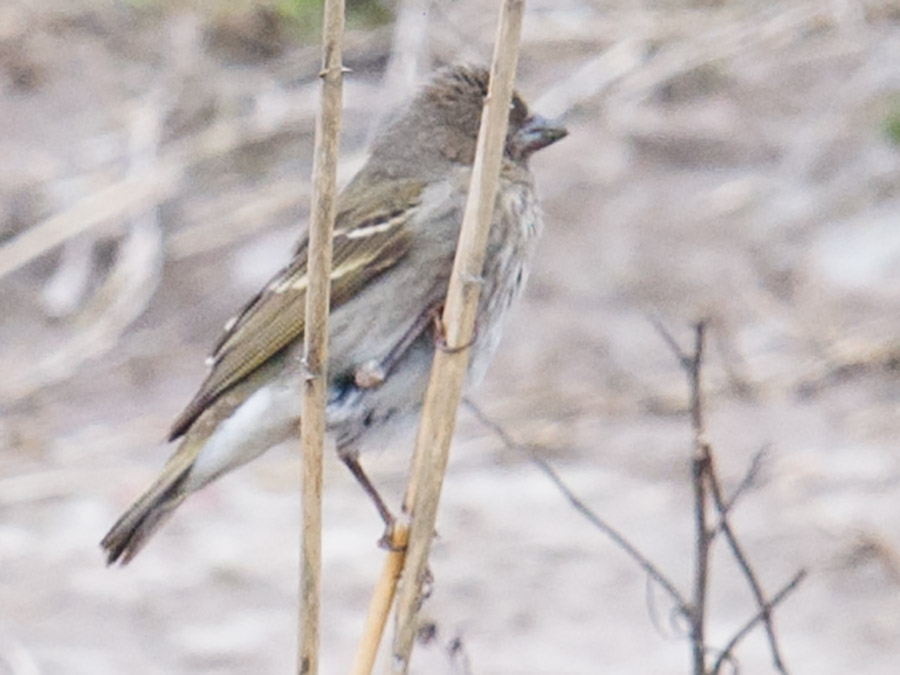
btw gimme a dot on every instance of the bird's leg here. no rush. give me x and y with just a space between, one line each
370 375
373 372
351 461
387 539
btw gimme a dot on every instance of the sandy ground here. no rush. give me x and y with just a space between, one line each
726 160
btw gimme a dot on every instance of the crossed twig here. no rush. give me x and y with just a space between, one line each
708 494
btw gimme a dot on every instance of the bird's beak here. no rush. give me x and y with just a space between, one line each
537 132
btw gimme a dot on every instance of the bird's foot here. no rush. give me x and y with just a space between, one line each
440 334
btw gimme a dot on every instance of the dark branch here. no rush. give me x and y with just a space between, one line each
676 617
764 613
672 343
705 484
747 482
583 508
706 480
765 610
750 477
700 467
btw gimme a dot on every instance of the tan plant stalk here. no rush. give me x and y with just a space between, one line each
382 600
449 367
315 341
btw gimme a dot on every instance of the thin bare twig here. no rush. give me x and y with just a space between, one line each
617 537
700 466
706 484
747 482
459 657
764 611
315 347
677 615
744 564
749 479
700 463
683 359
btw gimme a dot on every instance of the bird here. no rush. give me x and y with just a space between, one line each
395 236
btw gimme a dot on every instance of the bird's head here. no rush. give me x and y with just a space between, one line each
440 125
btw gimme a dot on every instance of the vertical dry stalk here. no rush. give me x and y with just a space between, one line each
315 344
382 599
700 469
449 368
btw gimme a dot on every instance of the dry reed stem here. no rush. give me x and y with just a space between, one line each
448 371
315 343
382 599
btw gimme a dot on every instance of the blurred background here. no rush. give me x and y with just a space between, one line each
738 161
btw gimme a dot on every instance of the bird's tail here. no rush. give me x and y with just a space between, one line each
153 508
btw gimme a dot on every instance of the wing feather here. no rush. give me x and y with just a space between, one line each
363 247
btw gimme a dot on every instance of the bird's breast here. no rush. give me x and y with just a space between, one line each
516 225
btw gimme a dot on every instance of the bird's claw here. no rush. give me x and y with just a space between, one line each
440 336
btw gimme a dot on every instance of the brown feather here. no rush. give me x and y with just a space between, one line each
370 237
151 510
413 187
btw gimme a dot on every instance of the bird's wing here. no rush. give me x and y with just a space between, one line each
370 237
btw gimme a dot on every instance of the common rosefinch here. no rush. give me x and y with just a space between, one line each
394 241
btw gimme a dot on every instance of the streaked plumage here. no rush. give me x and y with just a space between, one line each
395 238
